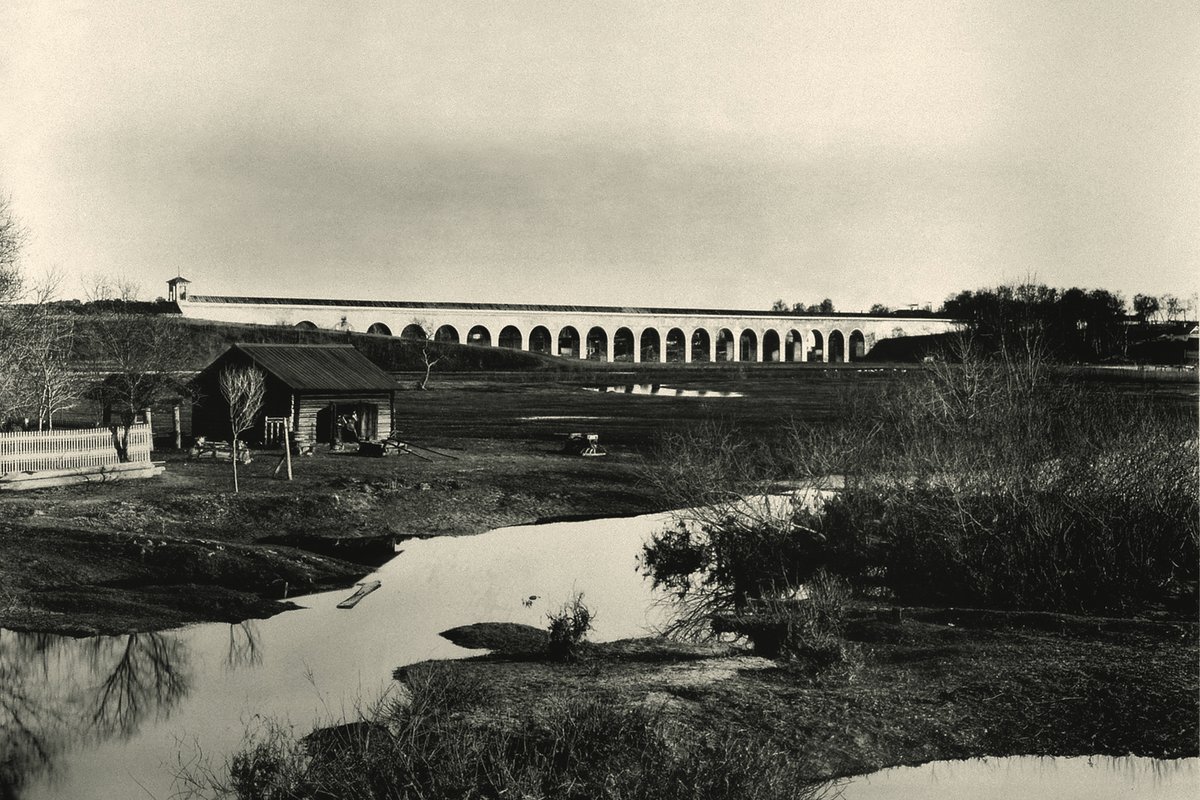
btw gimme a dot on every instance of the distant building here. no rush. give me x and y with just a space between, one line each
318 387
177 288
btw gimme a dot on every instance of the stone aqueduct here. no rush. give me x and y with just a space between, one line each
593 332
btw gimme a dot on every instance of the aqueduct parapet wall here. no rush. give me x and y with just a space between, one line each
601 333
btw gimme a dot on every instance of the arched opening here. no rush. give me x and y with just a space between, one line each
771 346
837 347
794 346
540 340
817 351
858 346
725 350
748 345
413 331
510 338
379 329
568 342
479 335
701 345
676 346
651 345
623 345
597 344
305 325
446 333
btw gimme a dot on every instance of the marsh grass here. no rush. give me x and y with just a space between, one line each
444 740
990 480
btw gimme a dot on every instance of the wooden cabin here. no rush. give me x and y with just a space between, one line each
320 387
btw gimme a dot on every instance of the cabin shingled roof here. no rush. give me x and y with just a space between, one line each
319 367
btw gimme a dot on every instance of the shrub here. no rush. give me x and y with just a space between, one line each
569 626
802 625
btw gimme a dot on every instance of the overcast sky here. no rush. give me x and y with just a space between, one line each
716 154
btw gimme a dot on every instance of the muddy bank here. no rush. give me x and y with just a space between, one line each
81 582
182 548
915 689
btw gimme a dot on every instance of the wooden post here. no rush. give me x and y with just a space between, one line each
176 427
149 417
287 445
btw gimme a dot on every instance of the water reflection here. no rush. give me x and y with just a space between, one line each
660 390
59 693
1084 778
243 650
113 717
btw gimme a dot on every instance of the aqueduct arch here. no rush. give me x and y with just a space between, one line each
676 346
770 346
510 338
817 351
479 335
650 345
701 345
411 331
748 346
858 346
725 345
837 347
540 340
568 342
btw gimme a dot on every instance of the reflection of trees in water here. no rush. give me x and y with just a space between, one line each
143 675
57 692
243 647
26 713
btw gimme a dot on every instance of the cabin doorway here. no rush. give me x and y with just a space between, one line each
347 422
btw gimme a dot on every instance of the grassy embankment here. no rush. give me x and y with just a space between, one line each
661 719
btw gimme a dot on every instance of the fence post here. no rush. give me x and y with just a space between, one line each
176 427
149 417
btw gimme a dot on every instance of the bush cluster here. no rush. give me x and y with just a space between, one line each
992 481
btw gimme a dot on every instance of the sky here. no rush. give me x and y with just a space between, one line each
719 154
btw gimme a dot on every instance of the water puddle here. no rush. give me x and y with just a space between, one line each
660 390
1078 778
110 717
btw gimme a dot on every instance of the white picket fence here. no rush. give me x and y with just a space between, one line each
33 451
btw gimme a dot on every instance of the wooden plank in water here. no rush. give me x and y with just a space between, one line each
364 589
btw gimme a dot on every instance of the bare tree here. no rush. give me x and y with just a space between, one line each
13 236
143 356
1172 306
429 356
35 342
99 287
47 364
243 389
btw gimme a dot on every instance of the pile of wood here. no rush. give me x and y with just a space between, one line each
219 451
48 478
583 444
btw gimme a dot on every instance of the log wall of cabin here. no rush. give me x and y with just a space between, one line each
308 406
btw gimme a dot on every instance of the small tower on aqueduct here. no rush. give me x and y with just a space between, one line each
177 288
